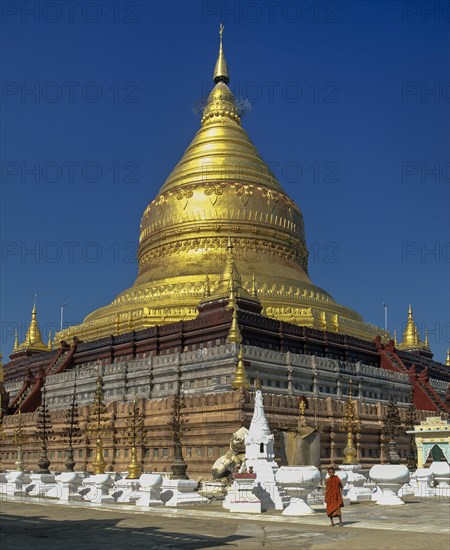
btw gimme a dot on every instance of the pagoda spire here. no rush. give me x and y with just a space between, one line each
447 362
234 336
16 340
33 339
221 68
411 338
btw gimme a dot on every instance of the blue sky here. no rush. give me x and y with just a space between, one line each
350 105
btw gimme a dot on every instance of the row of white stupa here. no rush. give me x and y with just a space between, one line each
260 485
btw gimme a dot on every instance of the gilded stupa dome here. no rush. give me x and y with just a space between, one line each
221 189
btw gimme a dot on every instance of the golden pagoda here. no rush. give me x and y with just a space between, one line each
411 338
33 339
220 188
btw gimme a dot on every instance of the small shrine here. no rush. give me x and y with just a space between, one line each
432 437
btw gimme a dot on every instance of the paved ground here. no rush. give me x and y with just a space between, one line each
44 525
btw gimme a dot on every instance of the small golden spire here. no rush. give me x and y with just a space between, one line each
1 379
16 340
221 68
254 289
395 336
240 377
49 343
447 362
426 343
257 382
234 336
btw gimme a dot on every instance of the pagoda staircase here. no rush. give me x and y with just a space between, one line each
32 400
425 397
24 392
63 359
30 397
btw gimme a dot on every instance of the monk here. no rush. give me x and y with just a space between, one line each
333 497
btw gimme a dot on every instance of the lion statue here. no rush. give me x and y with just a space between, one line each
230 462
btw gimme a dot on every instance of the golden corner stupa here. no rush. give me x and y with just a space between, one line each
221 189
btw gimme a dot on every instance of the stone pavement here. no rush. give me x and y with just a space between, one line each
82 526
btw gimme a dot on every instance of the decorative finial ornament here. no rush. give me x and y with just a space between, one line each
240 376
235 336
16 340
447 362
395 336
49 343
221 68
302 407
351 425
98 424
392 426
257 383
426 344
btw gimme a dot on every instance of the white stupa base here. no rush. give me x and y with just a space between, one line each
16 483
441 475
358 494
98 489
266 487
298 507
421 481
126 491
176 492
389 498
389 478
355 489
240 496
150 491
298 482
69 484
41 485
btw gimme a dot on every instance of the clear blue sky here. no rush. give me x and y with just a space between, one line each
342 91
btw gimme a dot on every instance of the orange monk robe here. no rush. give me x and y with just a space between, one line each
333 497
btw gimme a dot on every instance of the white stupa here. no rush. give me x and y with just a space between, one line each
259 455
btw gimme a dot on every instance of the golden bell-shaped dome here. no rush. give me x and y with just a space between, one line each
221 188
